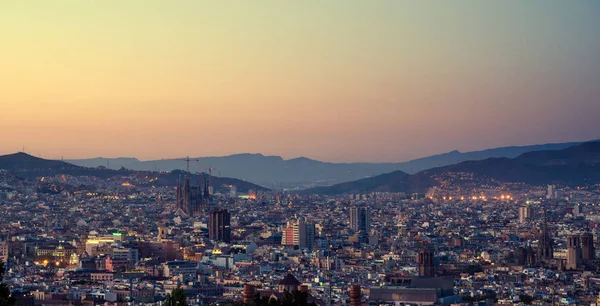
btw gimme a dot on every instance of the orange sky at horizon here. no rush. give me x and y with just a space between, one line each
335 81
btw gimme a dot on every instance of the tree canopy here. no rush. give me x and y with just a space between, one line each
176 298
5 298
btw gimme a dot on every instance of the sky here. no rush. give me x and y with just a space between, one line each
336 80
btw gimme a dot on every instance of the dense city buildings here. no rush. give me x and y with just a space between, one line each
119 240
299 153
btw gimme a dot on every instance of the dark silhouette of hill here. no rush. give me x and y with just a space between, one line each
455 157
23 161
577 165
29 167
396 181
276 171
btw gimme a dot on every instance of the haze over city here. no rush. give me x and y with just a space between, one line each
331 80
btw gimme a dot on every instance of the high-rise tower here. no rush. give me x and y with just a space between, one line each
587 246
360 219
300 233
573 252
524 214
355 295
425 260
219 225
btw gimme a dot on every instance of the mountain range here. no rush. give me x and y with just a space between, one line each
274 171
28 166
573 166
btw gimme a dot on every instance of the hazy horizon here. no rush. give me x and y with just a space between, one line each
33 153
342 81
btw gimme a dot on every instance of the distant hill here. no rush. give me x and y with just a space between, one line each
576 165
274 171
25 162
27 166
257 168
455 157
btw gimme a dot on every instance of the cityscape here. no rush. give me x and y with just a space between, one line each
299 153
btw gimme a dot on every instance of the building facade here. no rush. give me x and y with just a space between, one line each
193 200
360 219
219 225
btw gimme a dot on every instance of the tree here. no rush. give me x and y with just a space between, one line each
472 269
296 298
261 300
5 298
176 298
526 299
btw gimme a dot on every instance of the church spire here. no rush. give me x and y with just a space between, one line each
545 243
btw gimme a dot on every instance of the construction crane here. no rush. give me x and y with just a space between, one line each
210 169
188 160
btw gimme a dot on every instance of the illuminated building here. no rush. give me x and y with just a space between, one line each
56 251
288 236
93 243
300 233
524 214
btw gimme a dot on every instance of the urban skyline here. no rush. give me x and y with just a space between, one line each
299 153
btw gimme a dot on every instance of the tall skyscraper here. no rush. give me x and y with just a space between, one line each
425 261
524 214
355 292
573 251
249 292
587 246
219 225
550 195
287 235
360 219
300 233
309 241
